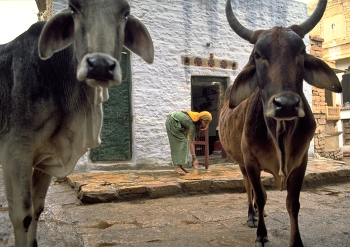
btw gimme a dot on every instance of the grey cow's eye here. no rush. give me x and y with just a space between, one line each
72 10
126 15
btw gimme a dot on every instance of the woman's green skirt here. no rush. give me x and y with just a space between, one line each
178 141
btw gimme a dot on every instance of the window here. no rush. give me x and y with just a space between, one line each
345 82
329 97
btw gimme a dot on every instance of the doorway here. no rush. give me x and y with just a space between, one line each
116 129
207 94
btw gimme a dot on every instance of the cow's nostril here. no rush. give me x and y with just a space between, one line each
90 62
112 66
277 102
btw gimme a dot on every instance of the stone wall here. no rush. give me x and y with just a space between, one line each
325 144
334 28
318 100
45 9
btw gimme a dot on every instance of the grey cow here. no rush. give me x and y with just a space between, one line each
51 108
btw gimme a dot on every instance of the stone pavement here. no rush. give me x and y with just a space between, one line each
121 185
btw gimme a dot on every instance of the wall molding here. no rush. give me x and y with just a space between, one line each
211 62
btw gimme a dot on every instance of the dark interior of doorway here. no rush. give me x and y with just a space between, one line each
207 94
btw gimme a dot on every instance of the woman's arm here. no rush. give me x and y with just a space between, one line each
193 154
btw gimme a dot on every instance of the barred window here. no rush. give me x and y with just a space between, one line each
345 82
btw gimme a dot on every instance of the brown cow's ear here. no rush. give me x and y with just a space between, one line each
244 85
57 34
319 74
138 39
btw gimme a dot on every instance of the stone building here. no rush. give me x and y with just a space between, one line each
197 56
330 40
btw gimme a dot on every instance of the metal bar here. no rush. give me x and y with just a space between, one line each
202 142
206 164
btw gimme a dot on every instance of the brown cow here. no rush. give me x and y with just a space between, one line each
267 124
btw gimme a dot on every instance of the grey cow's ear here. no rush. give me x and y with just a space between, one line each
244 85
319 74
57 34
138 39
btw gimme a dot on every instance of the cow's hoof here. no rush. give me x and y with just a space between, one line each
262 243
252 223
259 244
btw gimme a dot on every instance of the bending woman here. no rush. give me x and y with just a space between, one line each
182 126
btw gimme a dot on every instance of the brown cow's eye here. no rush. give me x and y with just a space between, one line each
256 55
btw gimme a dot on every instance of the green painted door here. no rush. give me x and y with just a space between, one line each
116 128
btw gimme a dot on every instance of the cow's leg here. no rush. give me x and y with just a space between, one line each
254 175
252 221
294 184
40 183
17 175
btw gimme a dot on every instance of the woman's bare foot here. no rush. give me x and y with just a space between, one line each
179 170
184 169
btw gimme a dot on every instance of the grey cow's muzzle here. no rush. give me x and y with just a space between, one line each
99 69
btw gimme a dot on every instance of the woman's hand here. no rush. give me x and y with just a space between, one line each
195 162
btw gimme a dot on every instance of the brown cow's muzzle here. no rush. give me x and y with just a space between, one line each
99 69
285 106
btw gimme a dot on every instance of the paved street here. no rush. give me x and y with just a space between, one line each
197 220
119 185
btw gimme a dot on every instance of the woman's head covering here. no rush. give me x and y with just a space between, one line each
196 116
205 116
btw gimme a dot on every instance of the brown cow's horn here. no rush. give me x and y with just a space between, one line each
237 27
315 17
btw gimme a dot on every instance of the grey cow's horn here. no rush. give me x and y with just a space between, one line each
237 27
315 17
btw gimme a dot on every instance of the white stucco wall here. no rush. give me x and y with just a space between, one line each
183 27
